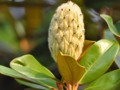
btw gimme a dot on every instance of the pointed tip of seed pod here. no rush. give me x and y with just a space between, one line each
70 2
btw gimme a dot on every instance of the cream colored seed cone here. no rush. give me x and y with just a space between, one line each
66 31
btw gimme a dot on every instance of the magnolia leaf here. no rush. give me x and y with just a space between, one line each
28 81
109 35
111 26
9 72
87 44
98 59
117 25
30 62
69 69
109 81
117 61
36 77
32 85
28 66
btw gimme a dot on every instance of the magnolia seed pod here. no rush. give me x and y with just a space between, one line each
66 31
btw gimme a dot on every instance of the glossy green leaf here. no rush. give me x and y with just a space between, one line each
109 81
9 72
28 66
12 73
37 77
109 35
98 59
117 25
32 85
115 29
87 44
117 60
69 69
111 26
30 62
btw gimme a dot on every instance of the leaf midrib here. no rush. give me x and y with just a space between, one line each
70 72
